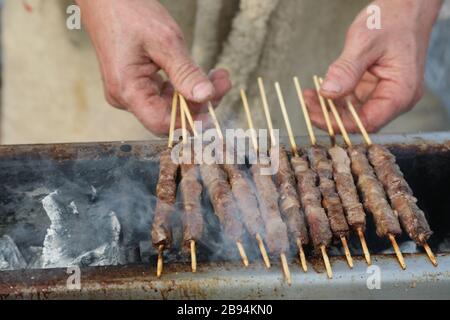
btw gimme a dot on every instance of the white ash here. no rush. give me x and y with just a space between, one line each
88 238
10 256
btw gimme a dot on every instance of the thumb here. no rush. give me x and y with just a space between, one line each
186 76
345 73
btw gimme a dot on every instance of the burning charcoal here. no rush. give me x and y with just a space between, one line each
79 237
10 256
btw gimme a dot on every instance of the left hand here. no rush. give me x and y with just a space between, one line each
380 70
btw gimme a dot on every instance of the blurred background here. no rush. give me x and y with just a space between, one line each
52 92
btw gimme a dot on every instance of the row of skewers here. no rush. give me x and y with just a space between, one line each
314 196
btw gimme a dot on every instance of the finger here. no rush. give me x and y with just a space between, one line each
174 58
154 113
221 81
346 72
387 102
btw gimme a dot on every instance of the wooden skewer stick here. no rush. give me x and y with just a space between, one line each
294 147
173 117
286 119
326 260
249 119
397 250
263 250
160 263
302 255
325 112
305 111
187 114
359 122
262 91
183 125
347 252
368 141
398 253
215 121
288 125
193 257
362 239
284 263
191 122
286 271
259 239
338 119
242 253
430 254
365 249
192 243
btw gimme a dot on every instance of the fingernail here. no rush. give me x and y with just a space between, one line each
331 86
203 91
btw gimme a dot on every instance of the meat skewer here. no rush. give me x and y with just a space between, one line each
345 184
331 201
216 182
289 201
412 218
166 193
244 196
372 191
319 226
268 196
191 190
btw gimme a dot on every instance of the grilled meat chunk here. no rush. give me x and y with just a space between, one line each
289 201
323 166
216 181
400 194
245 198
276 231
192 216
346 188
375 201
166 192
319 226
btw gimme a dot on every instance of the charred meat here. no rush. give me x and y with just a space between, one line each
373 194
276 231
400 194
319 226
346 188
323 166
289 201
216 182
192 216
245 199
166 192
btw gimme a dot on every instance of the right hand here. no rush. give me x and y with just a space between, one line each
134 40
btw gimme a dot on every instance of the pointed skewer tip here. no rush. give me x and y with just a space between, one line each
160 263
365 249
326 260
193 257
430 254
263 250
286 271
303 262
348 255
398 252
242 254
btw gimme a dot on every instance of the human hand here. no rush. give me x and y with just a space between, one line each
134 40
380 70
